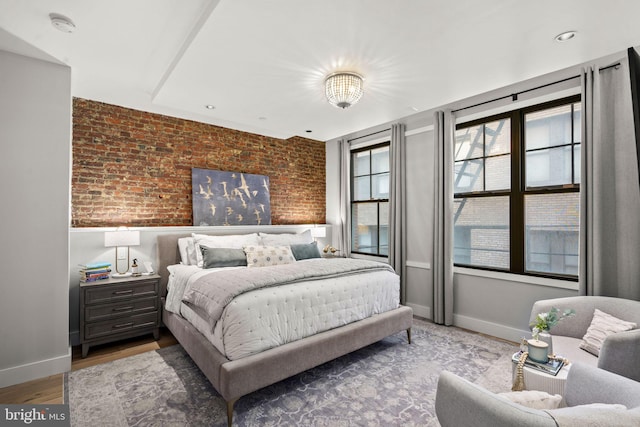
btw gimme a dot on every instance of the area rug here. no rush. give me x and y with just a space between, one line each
389 383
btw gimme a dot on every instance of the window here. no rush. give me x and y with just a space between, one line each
516 191
370 200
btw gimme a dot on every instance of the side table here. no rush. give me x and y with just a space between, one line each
538 380
114 309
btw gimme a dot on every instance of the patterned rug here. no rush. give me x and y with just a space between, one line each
390 383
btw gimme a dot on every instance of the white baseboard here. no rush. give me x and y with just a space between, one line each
489 328
31 371
420 310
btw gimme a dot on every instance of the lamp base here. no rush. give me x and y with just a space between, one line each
120 275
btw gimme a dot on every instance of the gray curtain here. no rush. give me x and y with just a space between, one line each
609 193
444 129
344 234
397 203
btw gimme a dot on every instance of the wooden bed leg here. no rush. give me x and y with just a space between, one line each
409 335
230 404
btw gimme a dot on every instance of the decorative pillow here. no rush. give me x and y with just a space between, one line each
235 241
305 251
602 325
286 239
262 256
187 248
533 399
223 257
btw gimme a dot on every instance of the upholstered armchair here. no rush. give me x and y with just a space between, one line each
460 403
619 352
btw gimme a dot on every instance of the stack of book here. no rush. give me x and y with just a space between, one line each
94 271
552 367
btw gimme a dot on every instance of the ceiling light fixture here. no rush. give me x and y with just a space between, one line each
567 35
62 23
209 107
343 89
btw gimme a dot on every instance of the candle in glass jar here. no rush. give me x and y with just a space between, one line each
538 351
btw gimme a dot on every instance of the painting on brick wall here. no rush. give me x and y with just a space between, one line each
230 198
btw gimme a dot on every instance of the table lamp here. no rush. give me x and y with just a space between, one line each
120 238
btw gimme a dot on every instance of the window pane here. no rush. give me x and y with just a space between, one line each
576 162
361 190
361 163
469 143
364 227
498 173
497 137
380 160
468 176
551 237
383 236
548 128
549 167
380 185
577 122
481 231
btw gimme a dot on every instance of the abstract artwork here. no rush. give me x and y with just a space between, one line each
230 198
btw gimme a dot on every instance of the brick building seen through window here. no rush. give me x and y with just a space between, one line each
516 191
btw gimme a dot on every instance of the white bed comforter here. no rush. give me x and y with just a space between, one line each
260 319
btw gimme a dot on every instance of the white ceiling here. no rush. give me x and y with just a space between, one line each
262 63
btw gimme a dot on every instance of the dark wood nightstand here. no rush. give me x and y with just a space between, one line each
114 309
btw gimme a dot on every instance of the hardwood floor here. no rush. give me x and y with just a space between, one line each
50 390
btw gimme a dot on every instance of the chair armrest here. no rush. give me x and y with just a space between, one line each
588 384
620 353
460 403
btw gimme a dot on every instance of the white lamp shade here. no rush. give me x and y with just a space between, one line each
318 232
121 238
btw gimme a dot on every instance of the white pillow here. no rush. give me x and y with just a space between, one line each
187 248
286 239
533 399
232 241
602 325
263 256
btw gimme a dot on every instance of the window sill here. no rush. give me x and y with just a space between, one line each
510 277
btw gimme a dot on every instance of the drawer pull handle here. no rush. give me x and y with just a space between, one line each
122 308
122 325
129 291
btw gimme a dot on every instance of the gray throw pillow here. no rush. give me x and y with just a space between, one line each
305 251
223 257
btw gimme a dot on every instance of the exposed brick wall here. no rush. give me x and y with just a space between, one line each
134 168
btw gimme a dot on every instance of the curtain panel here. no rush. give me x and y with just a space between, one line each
609 193
444 131
344 233
397 205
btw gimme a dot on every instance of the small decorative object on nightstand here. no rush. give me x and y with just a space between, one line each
112 310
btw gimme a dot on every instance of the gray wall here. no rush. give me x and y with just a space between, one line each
493 303
35 147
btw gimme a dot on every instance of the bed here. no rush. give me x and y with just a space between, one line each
240 368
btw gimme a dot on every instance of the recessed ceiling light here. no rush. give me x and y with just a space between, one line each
262 118
62 23
209 107
567 35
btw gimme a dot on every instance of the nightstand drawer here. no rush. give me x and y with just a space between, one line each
119 309
116 292
114 326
